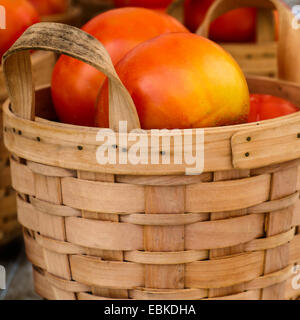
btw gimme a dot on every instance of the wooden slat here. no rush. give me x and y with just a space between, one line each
214 273
243 193
237 247
223 233
165 258
164 200
22 178
115 275
267 145
104 235
283 184
171 294
101 196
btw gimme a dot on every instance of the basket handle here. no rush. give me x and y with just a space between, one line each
289 37
73 42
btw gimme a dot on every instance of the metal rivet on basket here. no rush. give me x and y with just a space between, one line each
114 146
298 135
248 139
80 148
247 154
19 132
162 153
124 150
38 139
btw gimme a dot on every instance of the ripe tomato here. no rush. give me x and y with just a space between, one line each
48 7
264 107
235 26
143 3
75 85
20 15
181 80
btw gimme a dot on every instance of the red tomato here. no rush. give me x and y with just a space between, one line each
75 85
143 3
20 15
235 26
181 80
264 107
48 7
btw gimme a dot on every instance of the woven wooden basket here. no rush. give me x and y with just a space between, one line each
257 58
91 8
73 16
43 63
127 231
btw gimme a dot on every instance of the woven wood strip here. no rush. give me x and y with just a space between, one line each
247 295
101 196
283 184
244 193
294 250
270 242
34 252
223 233
104 235
49 292
164 180
212 273
165 258
50 171
71 286
115 275
296 214
270 279
164 219
57 246
29 217
22 178
275 205
54 209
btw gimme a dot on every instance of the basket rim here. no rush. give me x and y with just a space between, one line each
74 147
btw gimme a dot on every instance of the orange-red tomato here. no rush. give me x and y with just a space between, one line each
181 80
235 26
264 107
48 7
20 15
75 85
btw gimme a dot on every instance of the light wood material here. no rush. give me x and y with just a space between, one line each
9 228
117 231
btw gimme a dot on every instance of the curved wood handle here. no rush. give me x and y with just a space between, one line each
73 42
289 38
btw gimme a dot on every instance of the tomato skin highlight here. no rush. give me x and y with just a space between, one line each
187 82
75 85
238 25
20 15
48 7
265 107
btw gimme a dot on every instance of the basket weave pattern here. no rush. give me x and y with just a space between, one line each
9 227
102 231
98 236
